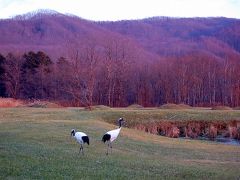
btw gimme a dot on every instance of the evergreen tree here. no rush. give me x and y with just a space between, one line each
35 70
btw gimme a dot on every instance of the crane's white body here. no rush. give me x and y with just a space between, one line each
78 136
81 138
114 134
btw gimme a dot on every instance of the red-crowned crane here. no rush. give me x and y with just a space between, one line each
81 139
110 136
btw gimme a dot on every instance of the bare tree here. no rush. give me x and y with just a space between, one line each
13 74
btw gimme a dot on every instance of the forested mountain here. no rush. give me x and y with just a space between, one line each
57 34
48 55
178 36
162 36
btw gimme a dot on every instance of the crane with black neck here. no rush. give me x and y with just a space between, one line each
110 136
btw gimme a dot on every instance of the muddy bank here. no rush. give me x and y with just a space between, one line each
194 129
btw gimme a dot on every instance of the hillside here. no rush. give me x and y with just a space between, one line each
165 36
150 38
149 62
58 34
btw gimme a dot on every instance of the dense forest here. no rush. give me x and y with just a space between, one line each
51 56
89 78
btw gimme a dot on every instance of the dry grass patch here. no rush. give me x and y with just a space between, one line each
97 107
137 106
43 104
10 102
175 106
169 106
184 106
237 108
221 108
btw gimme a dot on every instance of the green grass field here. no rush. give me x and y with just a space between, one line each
35 143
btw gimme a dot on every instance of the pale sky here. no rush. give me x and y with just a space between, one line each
125 9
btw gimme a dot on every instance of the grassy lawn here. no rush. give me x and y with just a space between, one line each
35 143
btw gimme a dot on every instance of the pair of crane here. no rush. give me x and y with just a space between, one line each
108 137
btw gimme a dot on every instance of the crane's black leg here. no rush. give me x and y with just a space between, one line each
111 146
107 148
81 149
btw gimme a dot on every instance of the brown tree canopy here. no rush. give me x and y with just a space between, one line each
110 77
